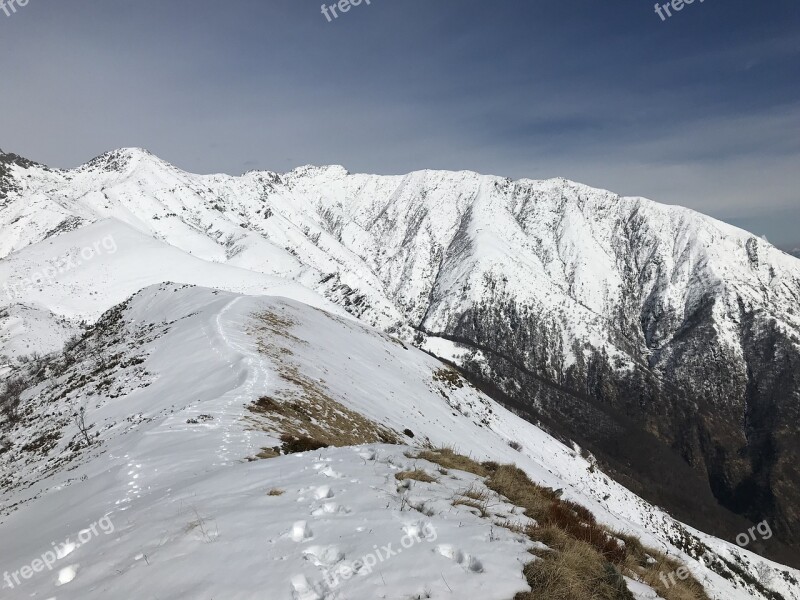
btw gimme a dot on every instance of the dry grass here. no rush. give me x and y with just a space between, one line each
585 561
475 493
447 458
307 419
513 483
278 325
294 444
416 475
576 571
481 506
276 492
303 413
268 453
477 498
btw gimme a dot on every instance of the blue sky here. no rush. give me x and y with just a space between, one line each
701 110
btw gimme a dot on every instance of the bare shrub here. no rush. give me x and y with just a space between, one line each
11 396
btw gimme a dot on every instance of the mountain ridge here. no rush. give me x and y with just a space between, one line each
547 285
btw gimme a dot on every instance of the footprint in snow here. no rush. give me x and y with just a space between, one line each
300 532
303 590
330 508
134 491
367 454
323 556
323 492
67 574
420 530
329 472
467 561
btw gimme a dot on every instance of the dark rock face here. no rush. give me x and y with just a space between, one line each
7 183
710 436
663 342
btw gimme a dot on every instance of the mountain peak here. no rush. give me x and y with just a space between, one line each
119 160
336 170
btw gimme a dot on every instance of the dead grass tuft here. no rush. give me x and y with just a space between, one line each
514 484
575 571
276 492
447 458
482 506
475 493
416 475
309 417
268 453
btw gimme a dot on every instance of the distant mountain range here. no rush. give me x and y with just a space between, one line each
663 341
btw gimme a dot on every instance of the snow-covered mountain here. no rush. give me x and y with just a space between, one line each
662 340
158 489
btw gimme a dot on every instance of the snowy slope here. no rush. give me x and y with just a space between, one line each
166 381
99 266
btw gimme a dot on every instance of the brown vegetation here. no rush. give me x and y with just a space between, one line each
584 559
302 413
416 475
